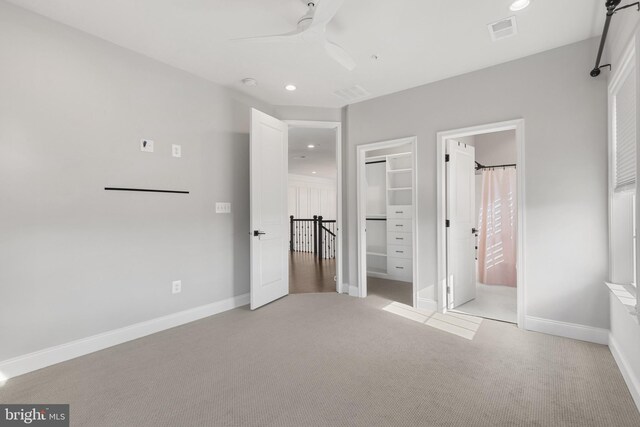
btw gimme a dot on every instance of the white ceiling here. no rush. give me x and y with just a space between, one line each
320 159
419 41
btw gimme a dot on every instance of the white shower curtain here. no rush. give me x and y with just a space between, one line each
497 227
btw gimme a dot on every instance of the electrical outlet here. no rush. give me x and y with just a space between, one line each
176 150
146 145
223 207
176 287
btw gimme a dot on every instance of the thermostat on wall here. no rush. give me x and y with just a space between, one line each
146 145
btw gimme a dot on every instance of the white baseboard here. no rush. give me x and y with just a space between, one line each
50 356
377 275
633 382
427 304
353 291
568 330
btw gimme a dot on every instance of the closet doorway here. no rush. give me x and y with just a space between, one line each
386 191
314 207
481 215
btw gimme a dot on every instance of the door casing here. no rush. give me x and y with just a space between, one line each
442 137
361 195
340 286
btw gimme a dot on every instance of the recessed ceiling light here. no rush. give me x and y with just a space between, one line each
249 82
314 172
311 146
290 87
519 5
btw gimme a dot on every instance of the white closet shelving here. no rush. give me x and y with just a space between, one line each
389 234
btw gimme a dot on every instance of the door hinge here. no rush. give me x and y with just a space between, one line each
446 158
447 223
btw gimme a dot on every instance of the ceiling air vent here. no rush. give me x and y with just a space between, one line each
352 94
503 28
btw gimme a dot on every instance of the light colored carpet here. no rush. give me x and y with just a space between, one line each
333 360
493 302
392 290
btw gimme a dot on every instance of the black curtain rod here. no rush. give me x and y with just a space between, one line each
480 167
612 8
145 190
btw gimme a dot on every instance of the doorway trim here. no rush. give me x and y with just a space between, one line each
362 150
309 124
442 137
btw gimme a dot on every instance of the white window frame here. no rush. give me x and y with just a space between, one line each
627 65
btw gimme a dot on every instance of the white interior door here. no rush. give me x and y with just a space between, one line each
461 262
269 219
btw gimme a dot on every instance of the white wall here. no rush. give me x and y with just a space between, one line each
566 170
625 330
309 196
318 114
496 148
76 260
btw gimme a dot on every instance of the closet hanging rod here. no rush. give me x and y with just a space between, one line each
376 219
481 166
375 161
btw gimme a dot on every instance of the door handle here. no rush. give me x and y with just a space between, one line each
258 233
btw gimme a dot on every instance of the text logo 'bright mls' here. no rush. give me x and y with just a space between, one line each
35 415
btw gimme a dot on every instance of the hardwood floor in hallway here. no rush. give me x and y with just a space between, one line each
309 274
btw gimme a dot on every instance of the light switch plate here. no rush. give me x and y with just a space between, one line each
146 145
223 207
176 150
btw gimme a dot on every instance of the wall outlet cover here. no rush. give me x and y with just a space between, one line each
176 150
176 286
223 207
146 145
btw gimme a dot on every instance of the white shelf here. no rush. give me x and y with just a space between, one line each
400 188
399 170
408 153
376 254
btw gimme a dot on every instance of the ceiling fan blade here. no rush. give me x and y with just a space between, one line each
325 10
340 55
290 36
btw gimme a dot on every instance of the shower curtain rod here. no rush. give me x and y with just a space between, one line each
480 166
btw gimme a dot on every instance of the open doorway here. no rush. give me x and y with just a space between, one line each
387 220
313 207
480 205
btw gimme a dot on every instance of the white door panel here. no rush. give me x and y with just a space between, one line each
269 219
461 263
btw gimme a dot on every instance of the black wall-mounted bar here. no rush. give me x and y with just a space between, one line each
612 8
480 167
375 161
376 219
145 190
